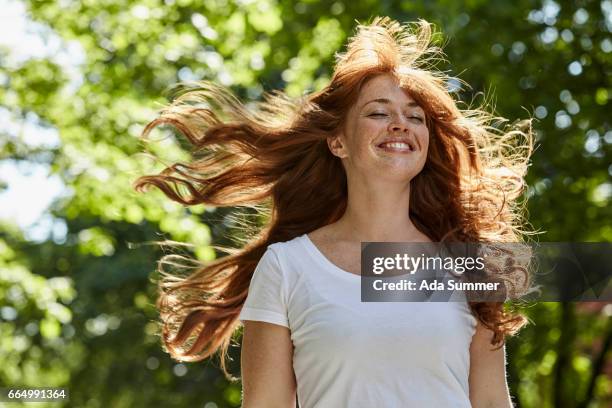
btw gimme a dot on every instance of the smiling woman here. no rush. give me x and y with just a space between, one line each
382 153
387 126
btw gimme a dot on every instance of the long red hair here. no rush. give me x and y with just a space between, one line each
273 158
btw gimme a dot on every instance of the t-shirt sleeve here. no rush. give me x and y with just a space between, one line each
266 300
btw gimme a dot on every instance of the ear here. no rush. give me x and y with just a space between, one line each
337 145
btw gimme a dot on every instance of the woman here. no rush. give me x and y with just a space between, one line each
382 153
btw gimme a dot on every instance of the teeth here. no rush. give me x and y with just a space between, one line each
397 145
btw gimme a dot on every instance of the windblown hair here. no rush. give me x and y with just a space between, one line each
273 157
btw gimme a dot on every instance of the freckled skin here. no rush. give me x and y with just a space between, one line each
369 123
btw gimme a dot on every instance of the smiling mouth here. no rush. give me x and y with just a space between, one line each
396 147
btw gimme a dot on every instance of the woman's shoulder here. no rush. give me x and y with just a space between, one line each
288 258
287 248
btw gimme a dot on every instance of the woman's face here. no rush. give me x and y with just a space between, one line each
385 133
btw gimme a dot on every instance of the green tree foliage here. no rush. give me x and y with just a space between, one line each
77 311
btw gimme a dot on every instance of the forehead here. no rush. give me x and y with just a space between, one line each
383 87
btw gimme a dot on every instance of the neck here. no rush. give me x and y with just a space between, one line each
378 212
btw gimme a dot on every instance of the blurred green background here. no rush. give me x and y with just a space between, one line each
80 79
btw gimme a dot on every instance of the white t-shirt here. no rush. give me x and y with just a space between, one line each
349 353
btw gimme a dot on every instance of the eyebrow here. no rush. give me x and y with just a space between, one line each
411 104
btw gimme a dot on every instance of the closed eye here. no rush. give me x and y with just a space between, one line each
380 115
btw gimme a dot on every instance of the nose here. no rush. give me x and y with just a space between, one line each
398 124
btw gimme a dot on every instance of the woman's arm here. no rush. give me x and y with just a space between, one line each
268 380
488 387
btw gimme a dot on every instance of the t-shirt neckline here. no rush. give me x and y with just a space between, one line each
325 262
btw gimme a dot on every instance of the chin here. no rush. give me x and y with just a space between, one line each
398 175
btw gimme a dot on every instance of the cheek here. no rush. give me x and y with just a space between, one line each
367 128
365 132
423 136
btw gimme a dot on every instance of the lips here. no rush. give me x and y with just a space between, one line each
397 144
